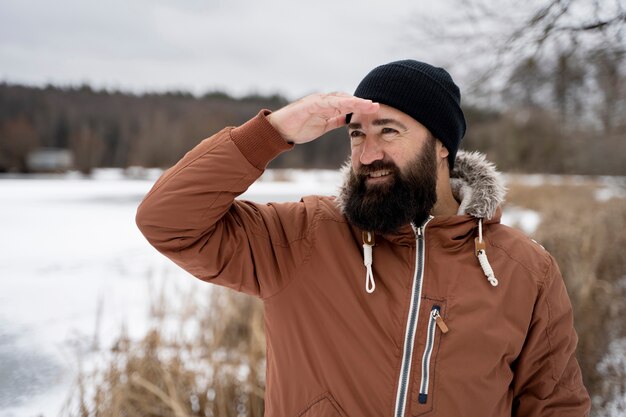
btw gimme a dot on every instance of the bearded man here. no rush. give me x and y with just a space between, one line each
382 301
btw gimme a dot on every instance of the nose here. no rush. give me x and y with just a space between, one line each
371 150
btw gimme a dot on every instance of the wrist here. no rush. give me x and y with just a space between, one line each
259 141
275 122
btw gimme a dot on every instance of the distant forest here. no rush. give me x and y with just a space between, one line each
116 129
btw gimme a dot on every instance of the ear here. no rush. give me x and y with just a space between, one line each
442 151
442 155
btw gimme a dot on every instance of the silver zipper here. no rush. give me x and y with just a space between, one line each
411 325
428 350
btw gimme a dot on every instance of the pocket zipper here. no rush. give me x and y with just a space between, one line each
435 321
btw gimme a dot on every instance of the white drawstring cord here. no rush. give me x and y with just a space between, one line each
368 242
481 253
484 262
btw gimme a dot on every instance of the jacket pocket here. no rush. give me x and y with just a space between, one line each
436 329
323 406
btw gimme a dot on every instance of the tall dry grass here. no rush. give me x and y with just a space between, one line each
207 358
204 359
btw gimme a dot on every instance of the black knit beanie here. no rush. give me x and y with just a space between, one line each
426 93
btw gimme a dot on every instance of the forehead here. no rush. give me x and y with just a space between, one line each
384 112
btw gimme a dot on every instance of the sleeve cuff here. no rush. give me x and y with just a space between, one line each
258 141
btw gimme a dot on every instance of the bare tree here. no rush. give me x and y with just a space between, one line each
492 38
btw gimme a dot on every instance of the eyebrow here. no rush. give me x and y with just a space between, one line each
379 122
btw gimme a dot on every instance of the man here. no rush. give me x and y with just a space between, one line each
381 302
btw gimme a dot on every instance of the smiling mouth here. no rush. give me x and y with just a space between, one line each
379 177
379 173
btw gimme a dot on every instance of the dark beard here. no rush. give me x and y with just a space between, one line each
385 208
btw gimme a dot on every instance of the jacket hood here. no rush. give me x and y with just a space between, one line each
475 183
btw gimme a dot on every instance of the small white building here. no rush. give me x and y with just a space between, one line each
50 160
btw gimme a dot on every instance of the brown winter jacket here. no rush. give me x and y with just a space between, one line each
335 350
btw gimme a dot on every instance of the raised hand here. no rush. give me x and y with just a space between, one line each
310 117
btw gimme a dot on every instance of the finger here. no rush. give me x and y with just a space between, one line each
367 106
347 104
335 122
339 94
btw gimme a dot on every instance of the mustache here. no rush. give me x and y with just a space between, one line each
365 170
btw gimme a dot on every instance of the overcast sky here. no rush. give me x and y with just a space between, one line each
238 46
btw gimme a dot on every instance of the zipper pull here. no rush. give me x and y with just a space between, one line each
419 230
440 323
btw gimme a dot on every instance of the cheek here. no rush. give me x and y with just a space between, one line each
399 156
354 156
406 153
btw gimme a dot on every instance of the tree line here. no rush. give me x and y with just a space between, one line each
562 115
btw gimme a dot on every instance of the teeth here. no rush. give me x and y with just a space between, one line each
379 173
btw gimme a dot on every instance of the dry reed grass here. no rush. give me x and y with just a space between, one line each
213 363
205 359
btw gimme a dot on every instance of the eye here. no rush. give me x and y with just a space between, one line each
388 133
356 137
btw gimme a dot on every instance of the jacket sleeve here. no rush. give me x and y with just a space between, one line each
548 381
191 216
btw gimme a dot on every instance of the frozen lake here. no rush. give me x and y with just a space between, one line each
74 269
69 248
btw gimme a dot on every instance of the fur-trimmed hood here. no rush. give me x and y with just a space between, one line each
475 183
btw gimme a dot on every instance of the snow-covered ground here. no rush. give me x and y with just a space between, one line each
69 247
74 269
